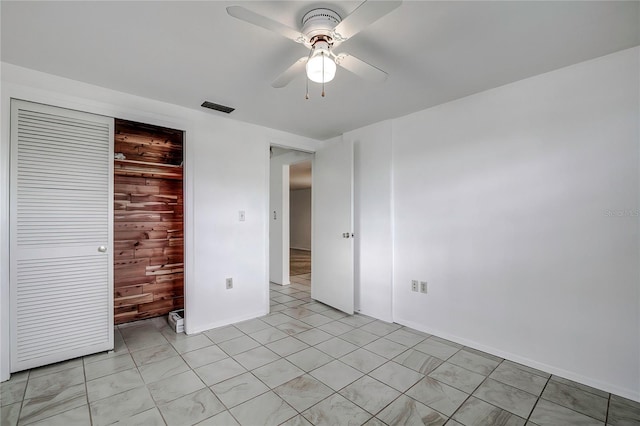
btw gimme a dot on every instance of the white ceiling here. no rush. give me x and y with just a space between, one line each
185 52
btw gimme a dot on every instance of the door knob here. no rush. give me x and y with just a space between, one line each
102 249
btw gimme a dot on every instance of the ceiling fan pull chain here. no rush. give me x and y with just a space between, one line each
307 77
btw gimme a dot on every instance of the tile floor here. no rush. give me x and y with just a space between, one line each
305 363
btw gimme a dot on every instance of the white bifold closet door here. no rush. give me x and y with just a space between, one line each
61 234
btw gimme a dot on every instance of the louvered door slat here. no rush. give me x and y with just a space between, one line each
61 212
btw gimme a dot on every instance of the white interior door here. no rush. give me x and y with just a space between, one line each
332 218
61 263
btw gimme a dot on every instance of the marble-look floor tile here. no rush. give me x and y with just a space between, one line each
576 399
336 347
41 407
380 328
298 420
238 389
336 374
221 419
204 356
548 413
436 348
458 377
144 340
222 334
370 394
406 411
266 409
519 378
397 376
191 343
309 359
56 368
314 336
363 360
475 412
256 357
108 366
359 337
153 354
303 392
9 414
336 315
191 409
474 362
506 397
163 369
251 326
277 373
293 327
296 311
53 383
357 320
526 368
276 319
287 346
150 417
316 320
128 404
336 410
374 421
268 335
219 371
335 328
174 387
580 386
418 361
75 416
238 345
12 391
437 395
404 337
112 384
386 348
623 412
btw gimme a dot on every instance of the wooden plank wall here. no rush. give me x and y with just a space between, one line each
148 222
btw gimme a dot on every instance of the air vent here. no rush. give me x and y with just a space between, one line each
217 107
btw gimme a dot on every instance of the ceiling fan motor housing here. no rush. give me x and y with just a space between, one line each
319 22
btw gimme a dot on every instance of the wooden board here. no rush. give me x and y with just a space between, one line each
148 222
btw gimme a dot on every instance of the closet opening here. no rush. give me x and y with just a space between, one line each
148 221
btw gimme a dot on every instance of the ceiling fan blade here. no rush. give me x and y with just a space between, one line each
361 68
292 72
367 13
246 15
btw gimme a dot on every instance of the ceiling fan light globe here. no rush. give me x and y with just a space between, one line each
315 69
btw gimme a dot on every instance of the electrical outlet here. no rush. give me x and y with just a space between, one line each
414 285
423 286
229 283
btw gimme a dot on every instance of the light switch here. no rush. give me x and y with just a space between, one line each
241 215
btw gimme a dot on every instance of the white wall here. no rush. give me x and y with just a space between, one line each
503 201
373 261
226 170
279 203
300 218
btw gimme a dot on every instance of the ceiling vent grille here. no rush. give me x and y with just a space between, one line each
217 107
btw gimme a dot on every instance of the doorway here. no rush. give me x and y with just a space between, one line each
290 177
148 221
300 223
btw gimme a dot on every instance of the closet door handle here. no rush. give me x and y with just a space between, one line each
102 249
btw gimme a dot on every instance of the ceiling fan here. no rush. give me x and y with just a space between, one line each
322 31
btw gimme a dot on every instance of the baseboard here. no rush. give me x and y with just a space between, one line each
607 387
222 323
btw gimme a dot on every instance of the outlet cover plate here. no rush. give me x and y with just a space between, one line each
423 286
229 282
414 285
